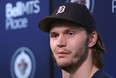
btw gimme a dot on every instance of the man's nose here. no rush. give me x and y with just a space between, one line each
62 42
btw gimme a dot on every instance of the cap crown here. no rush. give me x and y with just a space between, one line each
73 12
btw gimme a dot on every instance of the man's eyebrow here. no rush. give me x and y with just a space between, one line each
66 30
72 28
52 32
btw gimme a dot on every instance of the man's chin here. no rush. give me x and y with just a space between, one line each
63 65
66 67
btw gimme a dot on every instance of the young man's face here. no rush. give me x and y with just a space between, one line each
69 44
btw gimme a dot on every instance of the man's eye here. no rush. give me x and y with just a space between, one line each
70 34
54 36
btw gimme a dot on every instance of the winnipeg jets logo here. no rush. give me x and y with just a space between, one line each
23 63
22 66
61 9
88 3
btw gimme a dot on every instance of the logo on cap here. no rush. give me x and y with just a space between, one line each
22 63
61 9
88 3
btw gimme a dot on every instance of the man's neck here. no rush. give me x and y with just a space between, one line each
86 70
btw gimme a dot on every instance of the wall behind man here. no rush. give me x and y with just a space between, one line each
24 49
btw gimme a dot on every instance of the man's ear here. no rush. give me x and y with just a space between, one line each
93 39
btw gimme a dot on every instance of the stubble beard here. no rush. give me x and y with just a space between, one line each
71 66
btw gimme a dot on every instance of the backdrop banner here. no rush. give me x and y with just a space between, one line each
24 48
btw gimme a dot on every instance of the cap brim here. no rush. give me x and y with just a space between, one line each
45 23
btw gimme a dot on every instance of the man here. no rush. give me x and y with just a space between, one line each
76 46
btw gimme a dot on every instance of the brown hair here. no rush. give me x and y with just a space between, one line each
97 50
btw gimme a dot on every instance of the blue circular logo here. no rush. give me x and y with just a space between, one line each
22 63
88 3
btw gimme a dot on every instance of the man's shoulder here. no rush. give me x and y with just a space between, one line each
101 74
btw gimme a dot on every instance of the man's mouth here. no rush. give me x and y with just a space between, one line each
62 54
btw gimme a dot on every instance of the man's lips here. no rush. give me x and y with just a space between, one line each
62 54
